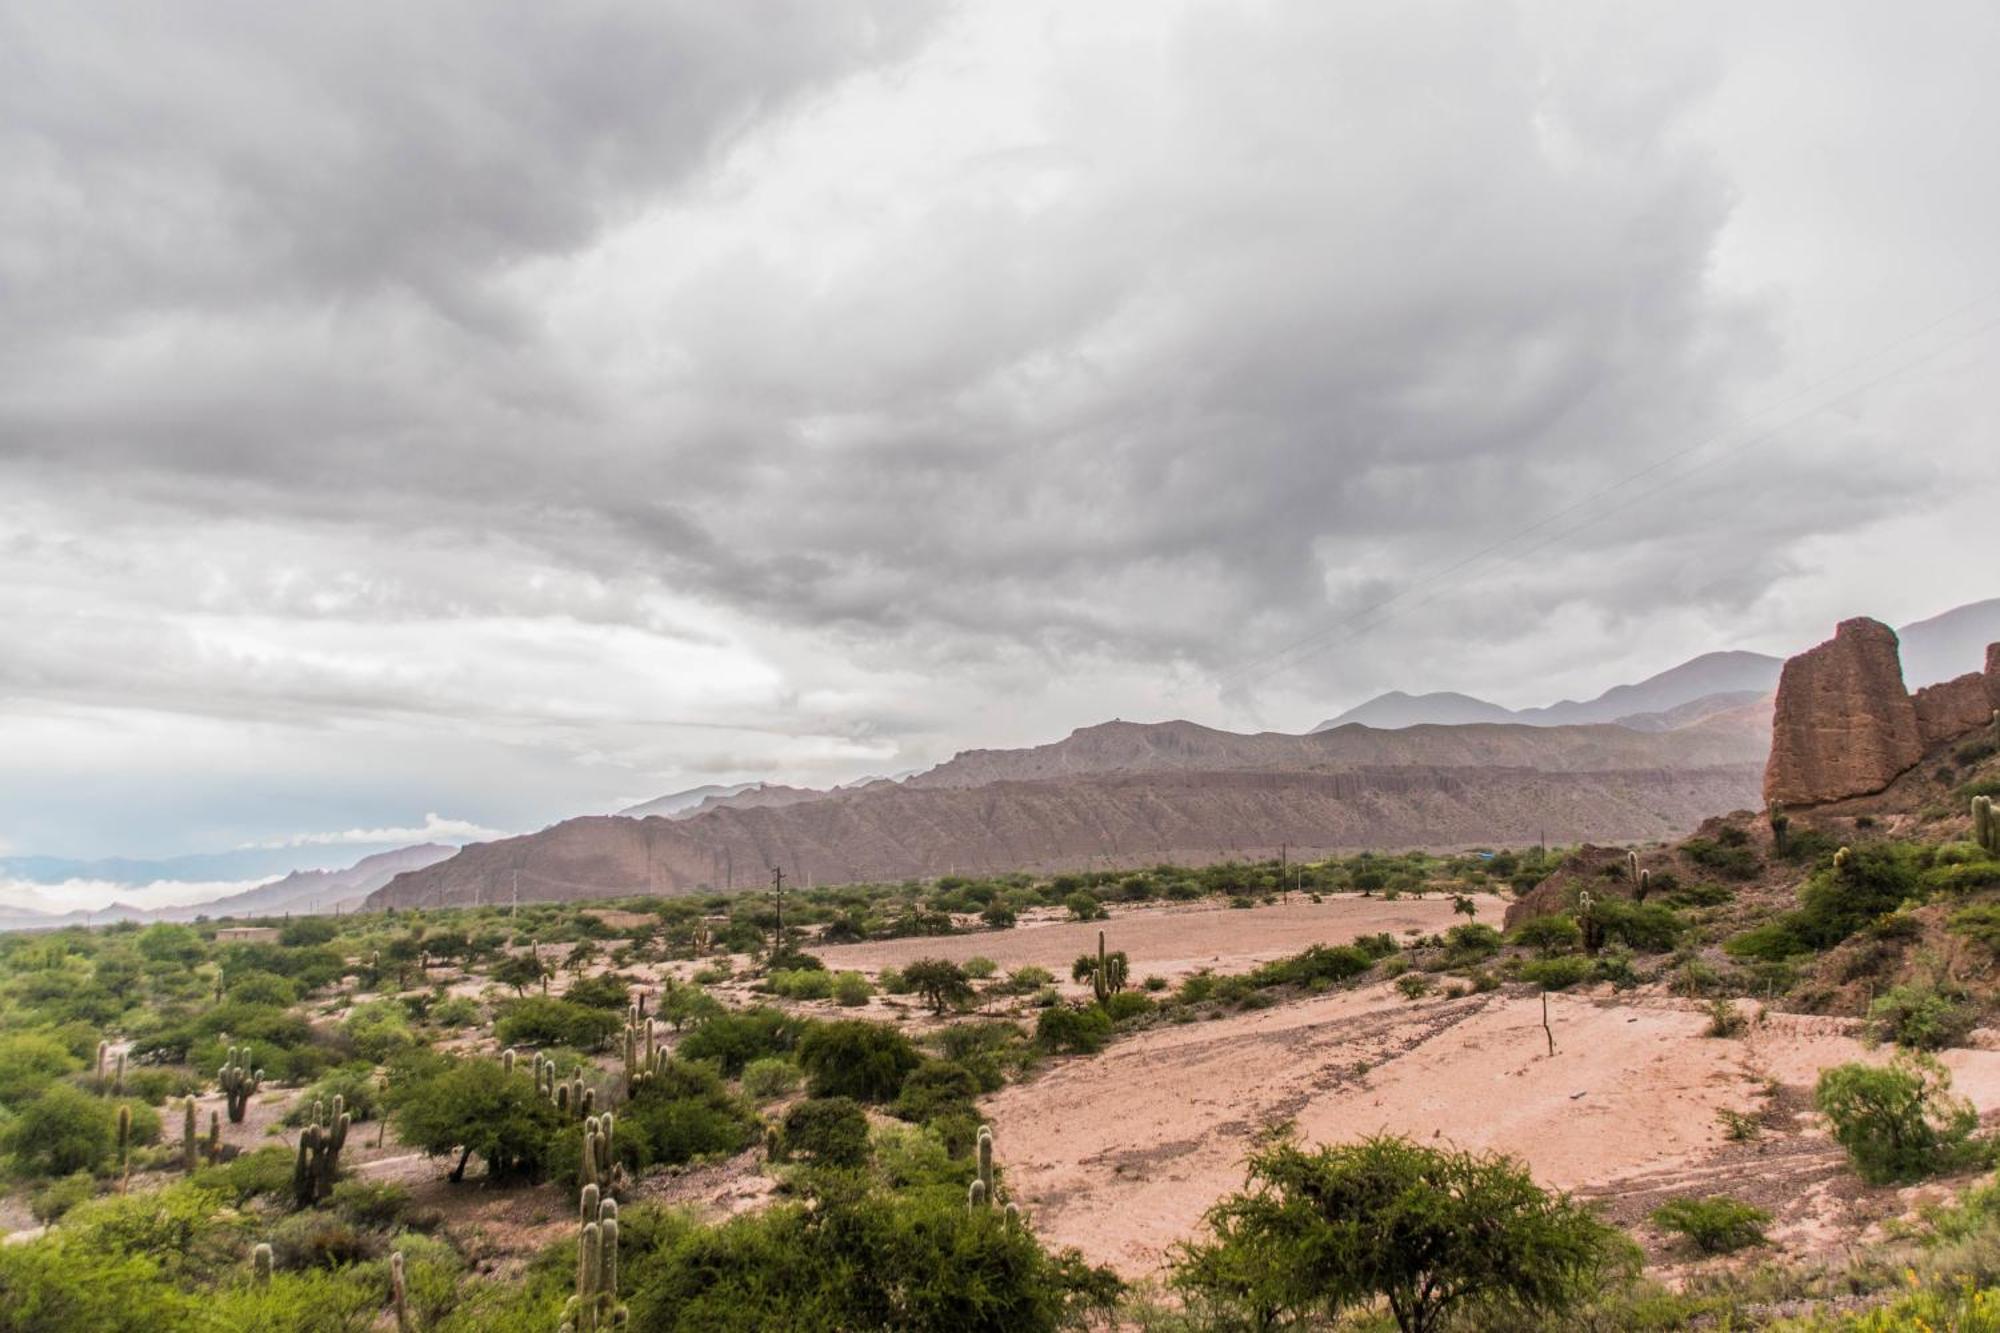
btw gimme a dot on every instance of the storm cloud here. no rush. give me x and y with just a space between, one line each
506 410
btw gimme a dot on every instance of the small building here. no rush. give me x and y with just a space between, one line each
247 935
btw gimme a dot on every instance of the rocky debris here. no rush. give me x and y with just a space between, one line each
1845 725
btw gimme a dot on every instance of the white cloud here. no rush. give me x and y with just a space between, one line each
94 895
435 828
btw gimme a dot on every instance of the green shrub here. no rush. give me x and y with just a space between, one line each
48 1205
1085 907
858 1059
1730 860
540 1020
1980 924
1473 942
370 1203
474 1106
1718 1225
827 1131
851 989
30 1062
455 1011
356 1088
1899 1123
63 1130
265 1173
1068 1030
809 984
731 1040
1922 1016
1028 979
682 1113
1379 945
1556 973
606 990
1414 986
1648 927
1316 963
979 968
769 1077
1548 935
935 1088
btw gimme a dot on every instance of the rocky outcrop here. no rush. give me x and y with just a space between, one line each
1844 725
1953 707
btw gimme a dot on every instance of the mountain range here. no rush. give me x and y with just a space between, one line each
1932 650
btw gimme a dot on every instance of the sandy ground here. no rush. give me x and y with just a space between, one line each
1120 1154
1173 941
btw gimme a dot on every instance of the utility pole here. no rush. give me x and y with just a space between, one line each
778 888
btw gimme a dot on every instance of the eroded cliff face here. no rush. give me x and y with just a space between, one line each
1845 725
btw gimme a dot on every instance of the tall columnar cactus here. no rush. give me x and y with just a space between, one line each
103 1059
1781 824
239 1082
124 1145
1645 886
1108 977
214 1136
1586 918
595 1306
980 1195
1983 830
599 1167
318 1161
260 1263
1632 865
399 1292
507 1060
190 1139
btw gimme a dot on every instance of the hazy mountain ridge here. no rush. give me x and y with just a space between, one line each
1933 649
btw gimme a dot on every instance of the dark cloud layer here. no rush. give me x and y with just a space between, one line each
861 379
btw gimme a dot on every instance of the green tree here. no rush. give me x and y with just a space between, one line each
1899 1123
63 1130
476 1106
1433 1233
519 970
942 983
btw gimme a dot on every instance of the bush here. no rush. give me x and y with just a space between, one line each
356 1087
29 1062
851 989
1644 927
1414 985
1067 1030
1317 963
476 1106
1473 942
827 1131
1379 945
371 1203
1084 907
539 1020
1435 1234
730 1041
1719 1225
1980 924
62 1131
1556 973
1725 1019
607 990
1729 858
1126 1005
1548 935
1028 979
937 1087
1899 1123
979 968
769 1078
941 983
1921 1016
808 984
858 1059
682 1113
50 1204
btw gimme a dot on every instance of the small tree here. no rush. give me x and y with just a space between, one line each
943 984
478 1106
1463 905
1899 1123
519 970
1719 1225
1433 1233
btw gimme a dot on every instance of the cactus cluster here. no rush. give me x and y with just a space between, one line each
318 1160
595 1306
599 1168
1983 830
980 1194
644 1058
1107 978
570 1096
239 1082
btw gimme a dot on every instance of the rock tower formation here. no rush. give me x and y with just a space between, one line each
1845 725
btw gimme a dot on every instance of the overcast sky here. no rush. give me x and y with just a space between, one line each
469 415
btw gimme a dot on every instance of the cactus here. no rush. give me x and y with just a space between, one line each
399 1292
507 1059
124 1146
190 1139
1013 1215
1632 865
1107 975
1586 917
214 1136
1841 860
239 1082
1781 823
318 1162
981 1193
599 1169
1645 886
595 1306
1983 830
103 1054
260 1263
